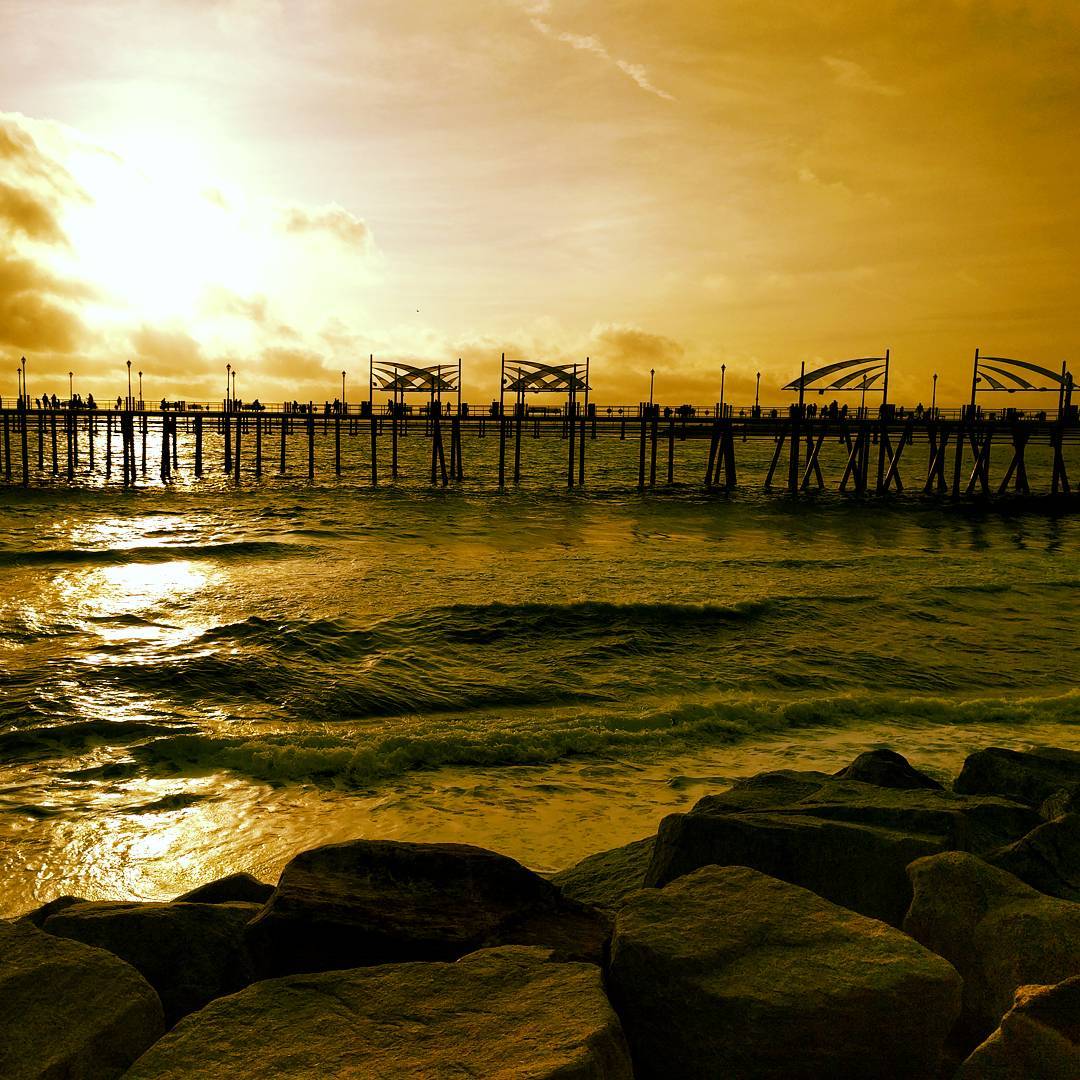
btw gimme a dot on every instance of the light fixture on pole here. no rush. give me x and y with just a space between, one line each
343 408
71 387
723 374
228 385
26 392
652 379
140 390
757 393
234 386
129 399
18 375
933 396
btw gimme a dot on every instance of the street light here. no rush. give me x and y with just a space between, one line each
129 399
228 391
18 373
71 388
25 391
140 390
757 392
652 378
933 396
234 385
343 408
723 373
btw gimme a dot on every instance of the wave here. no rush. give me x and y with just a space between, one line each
153 553
359 761
62 738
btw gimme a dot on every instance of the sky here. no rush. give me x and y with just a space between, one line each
291 187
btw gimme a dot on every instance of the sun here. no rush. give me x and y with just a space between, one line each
155 237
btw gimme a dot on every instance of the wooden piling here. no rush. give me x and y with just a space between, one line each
198 444
258 445
24 417
310 443
374 448
55 456
108 446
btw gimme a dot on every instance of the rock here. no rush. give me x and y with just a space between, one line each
1027 776
730 973
38 916
506 1012
847 840
238 888
189 953
1047 859
69 1011
1057 805
999 933
1039 1038
379 901
606 878
887 768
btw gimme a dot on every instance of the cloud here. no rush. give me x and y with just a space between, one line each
627 345
589 43
31 318
176 352
854 76
25 213
334 220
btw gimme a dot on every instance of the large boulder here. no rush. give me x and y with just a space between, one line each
1048 858
189 953
69 1012
1027 776
730 973
887 768
847 840
999 933
37 916
236 888
380 901
508 1013
608 877
1039 1038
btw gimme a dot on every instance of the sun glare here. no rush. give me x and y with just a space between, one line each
154 238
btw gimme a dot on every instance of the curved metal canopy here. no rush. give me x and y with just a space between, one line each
867 364
1001 365
408 378
533 377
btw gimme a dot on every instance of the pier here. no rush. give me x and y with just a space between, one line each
798 448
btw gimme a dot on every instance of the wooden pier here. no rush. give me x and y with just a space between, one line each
941 454
864 451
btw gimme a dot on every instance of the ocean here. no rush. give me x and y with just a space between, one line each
202 678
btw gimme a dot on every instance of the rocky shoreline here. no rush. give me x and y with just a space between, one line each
871 923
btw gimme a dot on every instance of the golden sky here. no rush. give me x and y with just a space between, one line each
289 187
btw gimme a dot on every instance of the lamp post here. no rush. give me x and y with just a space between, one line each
757 394
129 399
933 396
71 388
228 391
723 373
26 393
652 380
18 374
140 390
234 385
343 407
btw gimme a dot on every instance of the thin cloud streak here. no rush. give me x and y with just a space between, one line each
590 43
